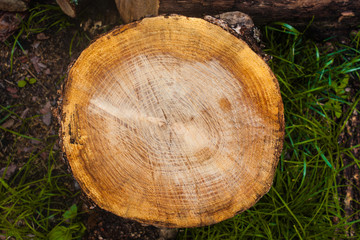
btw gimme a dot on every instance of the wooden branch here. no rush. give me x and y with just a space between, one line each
329 14
14 5
72 7
173 122
131 10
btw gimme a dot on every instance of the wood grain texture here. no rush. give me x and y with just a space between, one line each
172 121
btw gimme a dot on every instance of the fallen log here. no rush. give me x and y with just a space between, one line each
328 15
14 5
172 121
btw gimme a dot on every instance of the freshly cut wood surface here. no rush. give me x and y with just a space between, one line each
172 121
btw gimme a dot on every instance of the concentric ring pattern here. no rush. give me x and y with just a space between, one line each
172 121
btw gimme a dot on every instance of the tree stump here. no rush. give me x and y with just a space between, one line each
173 122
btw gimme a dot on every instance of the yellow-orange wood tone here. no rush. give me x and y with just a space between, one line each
172 121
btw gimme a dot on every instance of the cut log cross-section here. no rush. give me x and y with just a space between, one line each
173 122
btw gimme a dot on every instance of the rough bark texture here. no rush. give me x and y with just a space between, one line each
241 26
173 122
72 8
329 14
350 176
131 10
14 5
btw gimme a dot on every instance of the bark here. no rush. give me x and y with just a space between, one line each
14 5
131 10
329 14
350 176
72 7
172 122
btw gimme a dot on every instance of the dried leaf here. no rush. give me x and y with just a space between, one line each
9 171
9 22
12 90
35 61
42 36
8 124
24 113
47 118
47 108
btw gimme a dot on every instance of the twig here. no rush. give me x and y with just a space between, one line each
33 75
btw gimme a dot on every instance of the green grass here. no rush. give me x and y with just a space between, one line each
6 113
81 38
305 201
34 198
32 201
